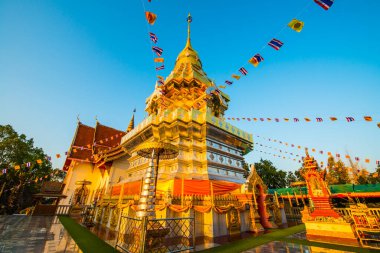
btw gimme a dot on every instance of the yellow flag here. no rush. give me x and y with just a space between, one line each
150 17
39 161
333 118
222 86
296 25
367 160
237 77
368 118
17 167
307 119
36 180
58 155
378 125
158 59
286 119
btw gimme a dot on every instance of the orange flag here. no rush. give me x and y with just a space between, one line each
333 118
58 155
158 59
367 160
368 118
150 17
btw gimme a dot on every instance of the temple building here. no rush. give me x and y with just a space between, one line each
187 111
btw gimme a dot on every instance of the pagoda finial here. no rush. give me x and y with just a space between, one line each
189 20
78 119
132 122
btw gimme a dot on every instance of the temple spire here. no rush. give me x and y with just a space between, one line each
189 20
131 125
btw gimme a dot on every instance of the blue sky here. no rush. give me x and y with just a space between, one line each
62 58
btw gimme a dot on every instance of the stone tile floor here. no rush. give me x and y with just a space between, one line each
34 234
284 247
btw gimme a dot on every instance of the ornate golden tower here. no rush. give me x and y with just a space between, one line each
188 86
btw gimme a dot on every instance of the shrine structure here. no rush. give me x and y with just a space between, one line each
322 222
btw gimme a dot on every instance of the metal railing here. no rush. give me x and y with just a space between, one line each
347 211
293 214
162 235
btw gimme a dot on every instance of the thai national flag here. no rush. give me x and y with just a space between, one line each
325 4
296 120
350 119
377 162
153 37
228 82
4 171
275 43
158 51
258 58
28 164
243 71
160 67
319 119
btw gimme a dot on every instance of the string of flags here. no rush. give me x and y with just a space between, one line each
158 51
317 119
275 43
295 146
32 164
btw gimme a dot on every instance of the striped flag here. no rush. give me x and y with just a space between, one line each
357 159
28 164
4 171
228 82
319 120
277 120
275 43
160 67
325 4
158 51
296 120
377 162
153 37
243 71
350 119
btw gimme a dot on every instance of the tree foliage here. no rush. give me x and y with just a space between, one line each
272 177
17 186
337 172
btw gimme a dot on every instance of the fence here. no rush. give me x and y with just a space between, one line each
163 235
293 214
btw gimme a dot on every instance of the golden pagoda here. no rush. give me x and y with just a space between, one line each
185 111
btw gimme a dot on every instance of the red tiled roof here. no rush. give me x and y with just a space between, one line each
105 138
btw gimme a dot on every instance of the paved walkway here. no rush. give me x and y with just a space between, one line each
34 234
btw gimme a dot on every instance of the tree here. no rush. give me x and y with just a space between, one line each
272 177
362 177
374 178
337 172
290 178
19 184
